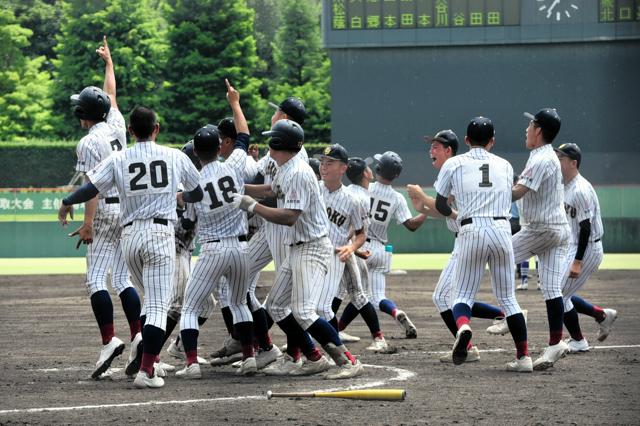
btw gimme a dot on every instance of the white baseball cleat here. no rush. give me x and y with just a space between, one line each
473 355
605 325
190 372
410 330
379 344
550 355
248 367
108 353
346 371
309 367
159 371
521 365
283 366
347 338
135 356
523 286
459 350
231 347
264 358
166 367
215 362
175 350
142 381
500 327
577 346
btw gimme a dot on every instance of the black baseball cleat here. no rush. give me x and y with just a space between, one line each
463 337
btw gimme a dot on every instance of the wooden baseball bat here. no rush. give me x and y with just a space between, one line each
365 394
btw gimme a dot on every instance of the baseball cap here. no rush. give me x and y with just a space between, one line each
293 107
480 129
570 150
446 138
547 119
335 152
355 168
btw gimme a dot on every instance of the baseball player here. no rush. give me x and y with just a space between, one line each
346 217
185 233
254 151
265 245
387 203
98 112
147 176
545 231
481 183
315 166
444 145
294 299
222 232
356 274
585 250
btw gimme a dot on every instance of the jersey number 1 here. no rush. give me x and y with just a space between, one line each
485 176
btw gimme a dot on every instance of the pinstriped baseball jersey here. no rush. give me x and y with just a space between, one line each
580 203
477 180
385 204
268 167
217 217
298 189
102 140
452 224
250 169
344 214
542 175
364 201
147 177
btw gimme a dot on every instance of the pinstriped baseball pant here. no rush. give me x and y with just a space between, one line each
442 293
299 282
180 277
550 243
330 287
485 241
355 273
226 258
104 254
379 263
590 264
149 249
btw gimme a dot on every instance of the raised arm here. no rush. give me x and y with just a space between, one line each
109 75
233 96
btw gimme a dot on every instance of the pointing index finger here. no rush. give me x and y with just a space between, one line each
228 84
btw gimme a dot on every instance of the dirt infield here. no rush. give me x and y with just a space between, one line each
50 343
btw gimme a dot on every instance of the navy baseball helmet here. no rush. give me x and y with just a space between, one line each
187 148
388 165
285 135
355 169
91 104
207 139
315 165
227 127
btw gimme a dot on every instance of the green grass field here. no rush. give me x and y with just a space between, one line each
430 261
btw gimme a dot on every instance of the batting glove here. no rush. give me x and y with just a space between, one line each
244 202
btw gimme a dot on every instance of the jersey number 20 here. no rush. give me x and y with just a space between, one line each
227 187
158 172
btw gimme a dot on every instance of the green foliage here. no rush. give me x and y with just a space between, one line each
303 68
265 25
138 48
207 47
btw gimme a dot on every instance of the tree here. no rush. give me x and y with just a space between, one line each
24 100
302 66
137 40
207 47
265 25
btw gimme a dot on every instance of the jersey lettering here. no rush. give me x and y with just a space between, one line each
336 217
147 178
116 145
226 187
571 211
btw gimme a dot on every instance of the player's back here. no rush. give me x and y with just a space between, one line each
386 203
581 202
481 184
217 217
364 201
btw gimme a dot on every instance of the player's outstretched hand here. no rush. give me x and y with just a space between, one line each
233 96
85 233
415 191
244 202
363 254
419 205
575 269
63 212
103 51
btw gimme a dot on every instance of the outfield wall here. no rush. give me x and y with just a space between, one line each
29 228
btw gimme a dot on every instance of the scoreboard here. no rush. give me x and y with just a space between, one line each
371 23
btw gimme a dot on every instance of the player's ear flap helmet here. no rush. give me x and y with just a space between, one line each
286 135
91 104
187 148
207 139
388 165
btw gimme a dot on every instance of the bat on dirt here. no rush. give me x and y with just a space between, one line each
365 394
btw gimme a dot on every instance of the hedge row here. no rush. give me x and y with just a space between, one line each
52 163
